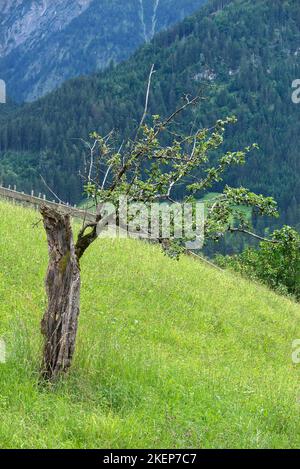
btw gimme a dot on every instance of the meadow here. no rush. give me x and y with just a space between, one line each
169 354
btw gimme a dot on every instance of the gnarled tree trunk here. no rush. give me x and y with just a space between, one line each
59 324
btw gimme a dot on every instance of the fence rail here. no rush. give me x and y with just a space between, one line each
36 202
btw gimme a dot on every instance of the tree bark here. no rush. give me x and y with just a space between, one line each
59 324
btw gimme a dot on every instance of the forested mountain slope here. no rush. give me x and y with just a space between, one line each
44 42
243 55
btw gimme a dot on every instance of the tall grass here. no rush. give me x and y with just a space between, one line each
169 354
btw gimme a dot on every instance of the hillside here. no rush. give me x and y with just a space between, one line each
170 354
241 54
43 43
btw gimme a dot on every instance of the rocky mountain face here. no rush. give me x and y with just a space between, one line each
44 42
31 20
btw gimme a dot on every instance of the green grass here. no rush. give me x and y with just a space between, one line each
169 354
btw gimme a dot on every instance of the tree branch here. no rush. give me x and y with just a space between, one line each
249 233
152 71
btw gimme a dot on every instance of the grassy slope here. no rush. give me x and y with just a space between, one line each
169 354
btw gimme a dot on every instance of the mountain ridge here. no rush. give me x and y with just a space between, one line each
46 42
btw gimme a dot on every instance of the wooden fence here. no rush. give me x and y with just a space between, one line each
35 202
